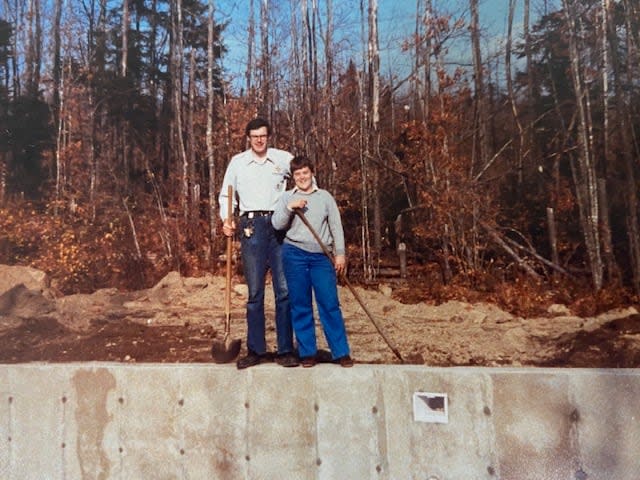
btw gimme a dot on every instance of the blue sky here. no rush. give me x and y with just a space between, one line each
396 20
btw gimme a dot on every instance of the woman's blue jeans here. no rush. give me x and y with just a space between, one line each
261 251
308 272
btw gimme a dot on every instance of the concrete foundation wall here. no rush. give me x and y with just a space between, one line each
152 421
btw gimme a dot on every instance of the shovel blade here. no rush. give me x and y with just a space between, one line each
225 351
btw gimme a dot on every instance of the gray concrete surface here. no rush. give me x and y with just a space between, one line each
157 421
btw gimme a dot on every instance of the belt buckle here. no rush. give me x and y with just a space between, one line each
250 215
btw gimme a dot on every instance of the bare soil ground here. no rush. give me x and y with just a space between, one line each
178 319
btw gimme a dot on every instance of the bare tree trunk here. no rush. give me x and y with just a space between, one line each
419 40
328 97
38 46
364 157
294 94
250 48
553 235
427 51
194 185
585 173
123 74
623 104
58 96
314 49
15 15
177 70
213 179
3 176
519 260
134 233
613 272
528 141
305 101
56 73
480 100
612 269
265 106
125 38
60 142
33 58
512 99
374 75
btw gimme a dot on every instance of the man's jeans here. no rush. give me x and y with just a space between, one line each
307 272
261 251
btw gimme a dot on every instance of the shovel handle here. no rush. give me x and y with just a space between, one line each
227 302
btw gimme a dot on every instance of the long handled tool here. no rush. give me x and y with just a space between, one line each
226 350
353 291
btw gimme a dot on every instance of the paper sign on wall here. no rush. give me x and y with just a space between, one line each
430 407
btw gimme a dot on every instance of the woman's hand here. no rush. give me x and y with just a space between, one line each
297 203
340 263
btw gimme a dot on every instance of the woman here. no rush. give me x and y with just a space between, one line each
307 269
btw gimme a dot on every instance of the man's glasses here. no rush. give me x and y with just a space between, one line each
258 137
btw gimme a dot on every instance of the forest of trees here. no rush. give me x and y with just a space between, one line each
117 120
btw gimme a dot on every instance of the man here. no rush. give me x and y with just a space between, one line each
259 177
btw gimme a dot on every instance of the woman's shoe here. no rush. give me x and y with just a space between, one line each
345 361
308 362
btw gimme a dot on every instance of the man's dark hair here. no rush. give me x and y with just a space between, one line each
257 123
300 161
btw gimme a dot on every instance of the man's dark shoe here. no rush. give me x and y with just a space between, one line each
345 361
250 360
308 362
287 360
324 356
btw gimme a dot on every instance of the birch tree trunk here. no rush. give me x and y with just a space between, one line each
427 50
58 95
56 73
123 73
176 72
192 181
125 38
585 171
613 272
374 74
364 154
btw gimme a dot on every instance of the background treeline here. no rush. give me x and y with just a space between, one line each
117 120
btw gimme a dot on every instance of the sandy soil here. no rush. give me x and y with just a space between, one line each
179 318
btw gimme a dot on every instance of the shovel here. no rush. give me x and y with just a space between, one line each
226 350
353 291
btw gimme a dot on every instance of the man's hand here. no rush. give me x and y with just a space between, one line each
228 227
340 262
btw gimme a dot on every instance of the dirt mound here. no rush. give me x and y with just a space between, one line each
178 318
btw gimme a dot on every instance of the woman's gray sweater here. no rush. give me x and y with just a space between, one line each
323 215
